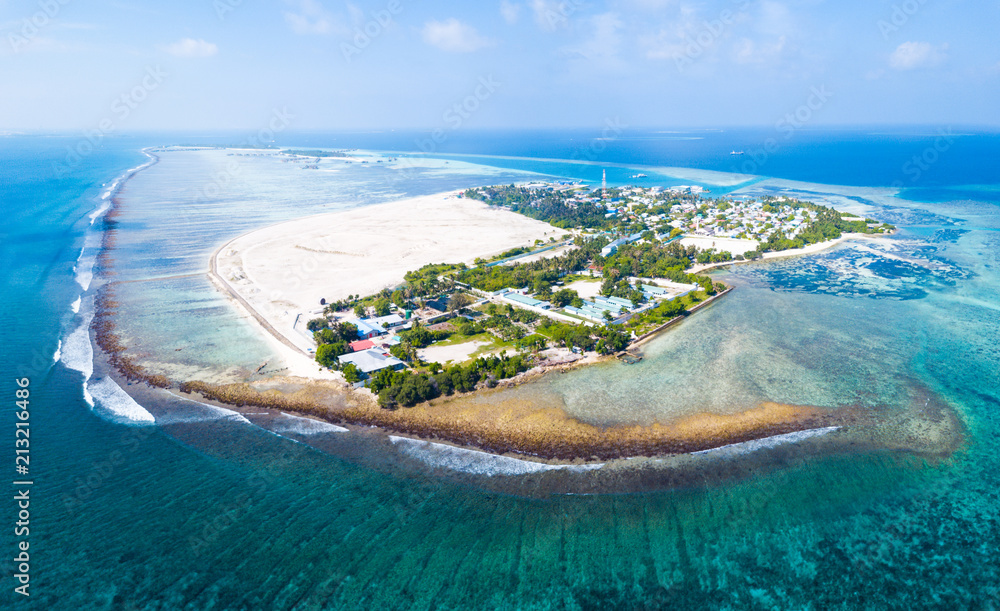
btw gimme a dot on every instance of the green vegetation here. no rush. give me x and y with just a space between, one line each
332 341
427 282
546 205
351 373
420 336
606 339
664 312
459 300
513 252
452 287
408 388
326 354
565 297
827 224
652 259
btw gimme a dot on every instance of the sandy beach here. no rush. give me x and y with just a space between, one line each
280 273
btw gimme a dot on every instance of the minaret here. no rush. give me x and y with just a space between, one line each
604 184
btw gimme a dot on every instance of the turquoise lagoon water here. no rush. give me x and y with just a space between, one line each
209 511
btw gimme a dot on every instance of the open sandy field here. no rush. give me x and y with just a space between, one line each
282 271
733 245
586 289
455 353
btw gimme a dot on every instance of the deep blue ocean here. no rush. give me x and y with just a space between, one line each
217 514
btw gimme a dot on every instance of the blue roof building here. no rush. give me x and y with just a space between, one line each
612 248
367 328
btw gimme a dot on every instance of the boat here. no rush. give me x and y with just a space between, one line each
736 153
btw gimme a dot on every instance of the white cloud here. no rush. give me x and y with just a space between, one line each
774 19
510 11
747 51
677 37
552 14
356 14
914 55
189 47
605 42
309 18
454 36
649 5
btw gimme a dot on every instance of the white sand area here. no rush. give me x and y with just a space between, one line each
734 246
282 271
586 289
456 353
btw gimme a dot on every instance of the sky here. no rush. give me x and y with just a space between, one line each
326 64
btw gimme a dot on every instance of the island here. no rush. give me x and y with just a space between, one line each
620 275
434 318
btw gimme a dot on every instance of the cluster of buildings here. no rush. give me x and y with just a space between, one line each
376 335
687 210
743 218
591 309
594 308
370 362
378 326
612 248
740 218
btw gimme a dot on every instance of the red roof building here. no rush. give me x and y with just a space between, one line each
361 344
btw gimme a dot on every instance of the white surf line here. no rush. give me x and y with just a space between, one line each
227 414
745 447
476 461
306 426
112 402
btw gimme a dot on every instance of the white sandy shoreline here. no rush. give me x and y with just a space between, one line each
279 273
